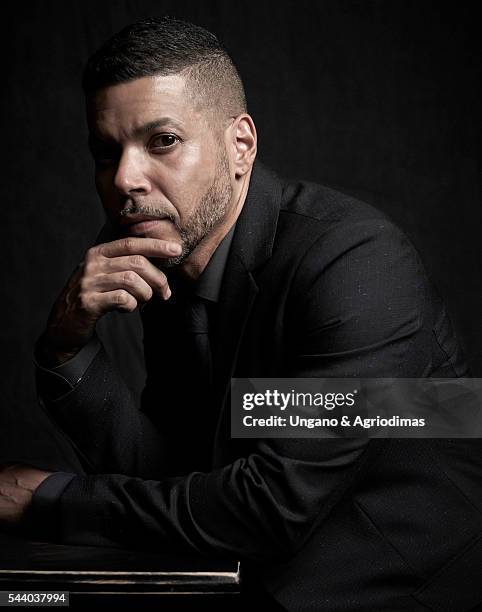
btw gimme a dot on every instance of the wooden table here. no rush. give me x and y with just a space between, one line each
132 578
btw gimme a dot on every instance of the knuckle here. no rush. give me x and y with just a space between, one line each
121 297
137 261
5 489
129 277
129 244
108 265
125 301
91 254
83 301
83 283
88 267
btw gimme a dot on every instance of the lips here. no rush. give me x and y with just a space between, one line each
140 224
134 219
143 226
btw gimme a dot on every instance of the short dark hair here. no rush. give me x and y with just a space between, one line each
165 46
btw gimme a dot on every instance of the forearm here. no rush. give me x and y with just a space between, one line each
101 420
260 507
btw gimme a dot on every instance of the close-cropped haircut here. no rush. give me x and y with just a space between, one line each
166 46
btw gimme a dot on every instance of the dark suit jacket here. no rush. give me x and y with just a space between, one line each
317 284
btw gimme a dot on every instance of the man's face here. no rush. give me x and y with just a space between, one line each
161 167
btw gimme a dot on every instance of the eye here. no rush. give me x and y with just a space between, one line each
164 141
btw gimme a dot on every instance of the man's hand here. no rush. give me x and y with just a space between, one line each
17 485
113 276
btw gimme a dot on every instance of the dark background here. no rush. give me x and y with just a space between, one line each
378 99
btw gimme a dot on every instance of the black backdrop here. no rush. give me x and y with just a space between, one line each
378 99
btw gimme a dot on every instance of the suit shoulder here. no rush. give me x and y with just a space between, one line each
313 215
323 205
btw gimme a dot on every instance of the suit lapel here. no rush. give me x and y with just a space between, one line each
251 247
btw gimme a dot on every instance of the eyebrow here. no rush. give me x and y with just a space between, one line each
144 129
157 123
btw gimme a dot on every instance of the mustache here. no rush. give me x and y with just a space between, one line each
152 211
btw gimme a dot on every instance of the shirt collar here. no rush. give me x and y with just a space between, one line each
208 285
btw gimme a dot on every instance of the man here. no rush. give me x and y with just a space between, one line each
237 273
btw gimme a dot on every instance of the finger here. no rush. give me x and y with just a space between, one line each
128 280
24 476
13 502
11 473
154 277
119 299
6 468
7 476
7 489
149 247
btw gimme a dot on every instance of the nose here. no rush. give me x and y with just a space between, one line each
131 175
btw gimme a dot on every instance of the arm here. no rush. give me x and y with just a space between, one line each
98 414
106 429
366 309
265 505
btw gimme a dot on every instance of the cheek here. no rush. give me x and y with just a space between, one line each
185 182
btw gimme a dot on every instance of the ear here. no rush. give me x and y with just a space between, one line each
243 142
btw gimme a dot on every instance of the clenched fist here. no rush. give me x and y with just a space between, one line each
113 276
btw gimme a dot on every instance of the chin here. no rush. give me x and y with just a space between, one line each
168 263
163 233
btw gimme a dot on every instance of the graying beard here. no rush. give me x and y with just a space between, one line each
211 210
146 210
208 215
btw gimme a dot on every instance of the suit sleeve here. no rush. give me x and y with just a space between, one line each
105 427
356 308
99 415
